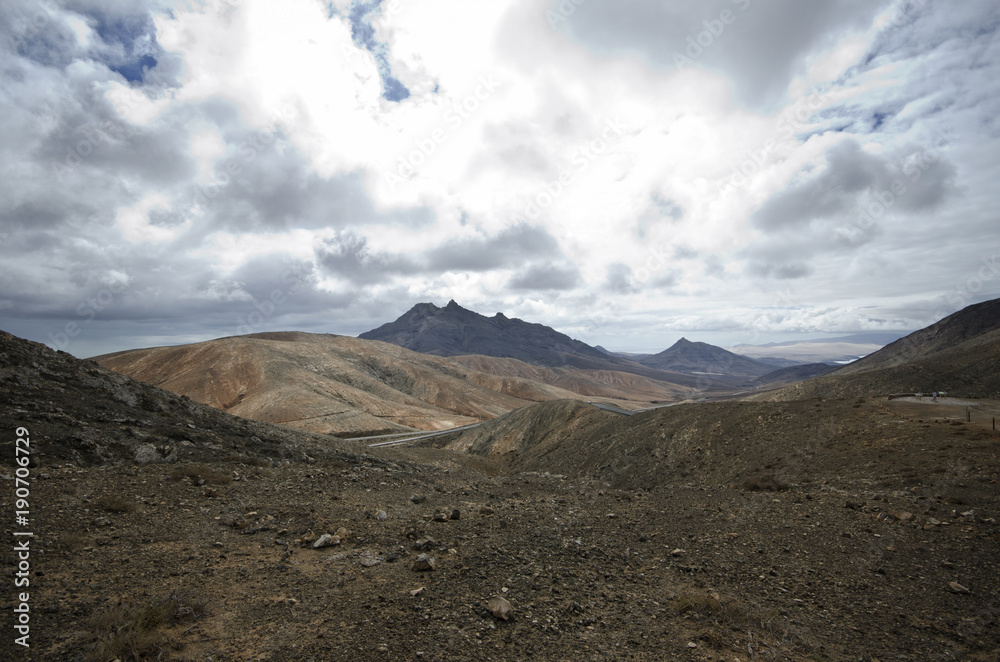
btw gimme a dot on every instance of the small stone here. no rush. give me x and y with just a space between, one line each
902 516
341 533
210 492
678 552
691 644
325 540
440 517
958 588
418 498
417 591
500 608
381 515
456 514
424 544
485 510
424 563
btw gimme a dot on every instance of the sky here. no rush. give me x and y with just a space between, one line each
627 172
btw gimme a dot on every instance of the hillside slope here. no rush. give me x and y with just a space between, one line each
959 354
338 384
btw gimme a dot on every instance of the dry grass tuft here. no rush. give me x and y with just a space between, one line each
132 632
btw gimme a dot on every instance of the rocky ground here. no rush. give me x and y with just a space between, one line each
207 549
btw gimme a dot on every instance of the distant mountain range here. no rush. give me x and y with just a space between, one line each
959 354
456 331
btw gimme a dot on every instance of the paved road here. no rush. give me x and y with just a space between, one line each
419 435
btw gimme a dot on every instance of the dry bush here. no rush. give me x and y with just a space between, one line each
195 471
735 620
767 483
132 632
114 503
128 632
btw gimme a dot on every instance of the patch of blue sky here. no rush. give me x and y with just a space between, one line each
363 33
131 44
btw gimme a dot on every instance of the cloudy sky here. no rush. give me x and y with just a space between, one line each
627 171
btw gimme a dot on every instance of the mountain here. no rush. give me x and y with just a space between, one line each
959 354
809 351
455 331
967 324
704 359
342 385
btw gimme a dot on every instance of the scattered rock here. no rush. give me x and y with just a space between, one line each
325 540
424 544
147 454
381 515
885 517
211 492
678 552
440 517
370 559
424 563
500 608
902 516
418 498
456 514
418 591
485 510
955 587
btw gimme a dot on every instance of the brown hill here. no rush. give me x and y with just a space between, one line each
337 384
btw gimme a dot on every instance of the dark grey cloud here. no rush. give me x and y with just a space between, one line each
854 181
348 256
541 277
618 279
761 46
508 249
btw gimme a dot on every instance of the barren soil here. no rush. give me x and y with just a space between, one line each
809 530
